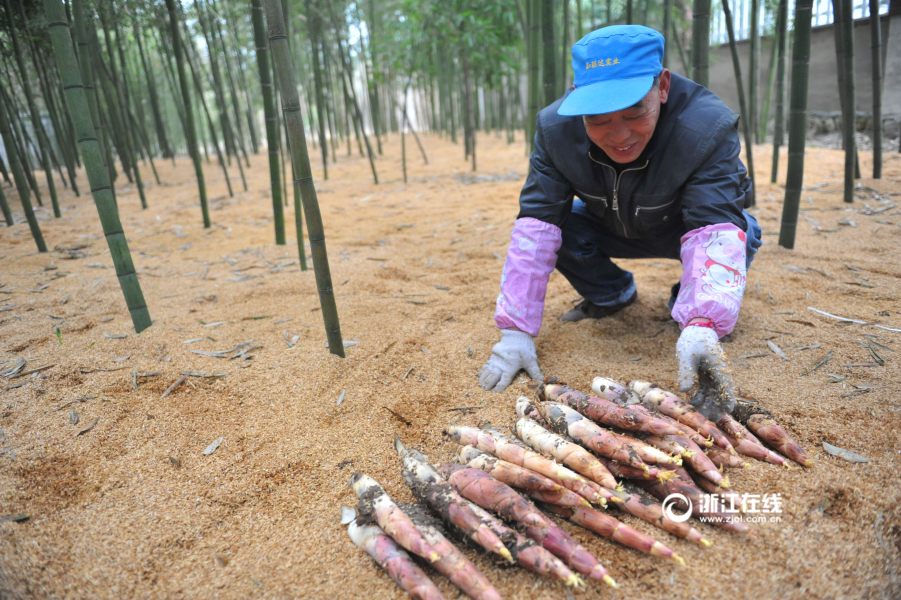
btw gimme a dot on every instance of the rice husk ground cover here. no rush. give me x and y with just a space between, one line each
134 508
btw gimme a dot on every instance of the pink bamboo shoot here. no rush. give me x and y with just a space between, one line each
566 421
423 541
397 563
614 529
672 405
763 424
428 485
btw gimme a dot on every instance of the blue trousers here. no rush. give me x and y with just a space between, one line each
584 256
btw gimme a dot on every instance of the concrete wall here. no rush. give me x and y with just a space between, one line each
823 82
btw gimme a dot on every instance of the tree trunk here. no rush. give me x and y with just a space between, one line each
565 63
764 118
195 74
700 42
779 124
162 139
667 18
549 68
37 123
736 65
301 160
754 65
93 161
190 132
534 71
271 115
850 118
19 176
467 88
876 61
797 125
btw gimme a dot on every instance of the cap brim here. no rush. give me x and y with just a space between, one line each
605 96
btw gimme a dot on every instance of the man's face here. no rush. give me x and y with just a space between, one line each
623 135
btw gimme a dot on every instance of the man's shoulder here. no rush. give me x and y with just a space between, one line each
696 108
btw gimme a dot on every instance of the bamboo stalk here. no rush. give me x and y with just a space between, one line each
764 118
4 207
314 24
161 137
849 121
797 125
190 132
754 66
534 72
209 118
347 81
667 18
876 62
87 77
36 122
92 156
700 42
19 176
261 44
549 45
779 125
736 65
294 123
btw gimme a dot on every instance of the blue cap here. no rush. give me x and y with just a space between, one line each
614 69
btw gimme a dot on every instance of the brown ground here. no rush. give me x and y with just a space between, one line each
113 515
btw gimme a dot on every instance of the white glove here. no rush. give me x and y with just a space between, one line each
701 357
515 351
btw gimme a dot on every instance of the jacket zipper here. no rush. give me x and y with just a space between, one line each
646 209
601 198
616 181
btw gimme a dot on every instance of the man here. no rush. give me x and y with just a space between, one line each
633 162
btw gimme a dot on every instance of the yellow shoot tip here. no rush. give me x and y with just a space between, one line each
706 543
686 453
506 554
609 581
725 482
808 463
708 442
574 581
677 461
679 559
666 475
620 487
433 557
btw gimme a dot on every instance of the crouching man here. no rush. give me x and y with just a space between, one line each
633 162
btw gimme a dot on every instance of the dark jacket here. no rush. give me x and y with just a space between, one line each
688 176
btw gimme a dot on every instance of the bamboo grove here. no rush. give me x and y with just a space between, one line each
99 94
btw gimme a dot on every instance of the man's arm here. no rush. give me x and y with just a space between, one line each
545 202
714 262
714 251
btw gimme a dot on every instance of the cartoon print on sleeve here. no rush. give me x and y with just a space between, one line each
724 271
714 276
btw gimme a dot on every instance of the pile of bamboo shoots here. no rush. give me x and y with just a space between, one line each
573 455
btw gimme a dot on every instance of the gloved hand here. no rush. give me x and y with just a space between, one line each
515 351
701 357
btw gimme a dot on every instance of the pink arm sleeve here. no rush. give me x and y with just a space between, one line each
530 260
713 277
